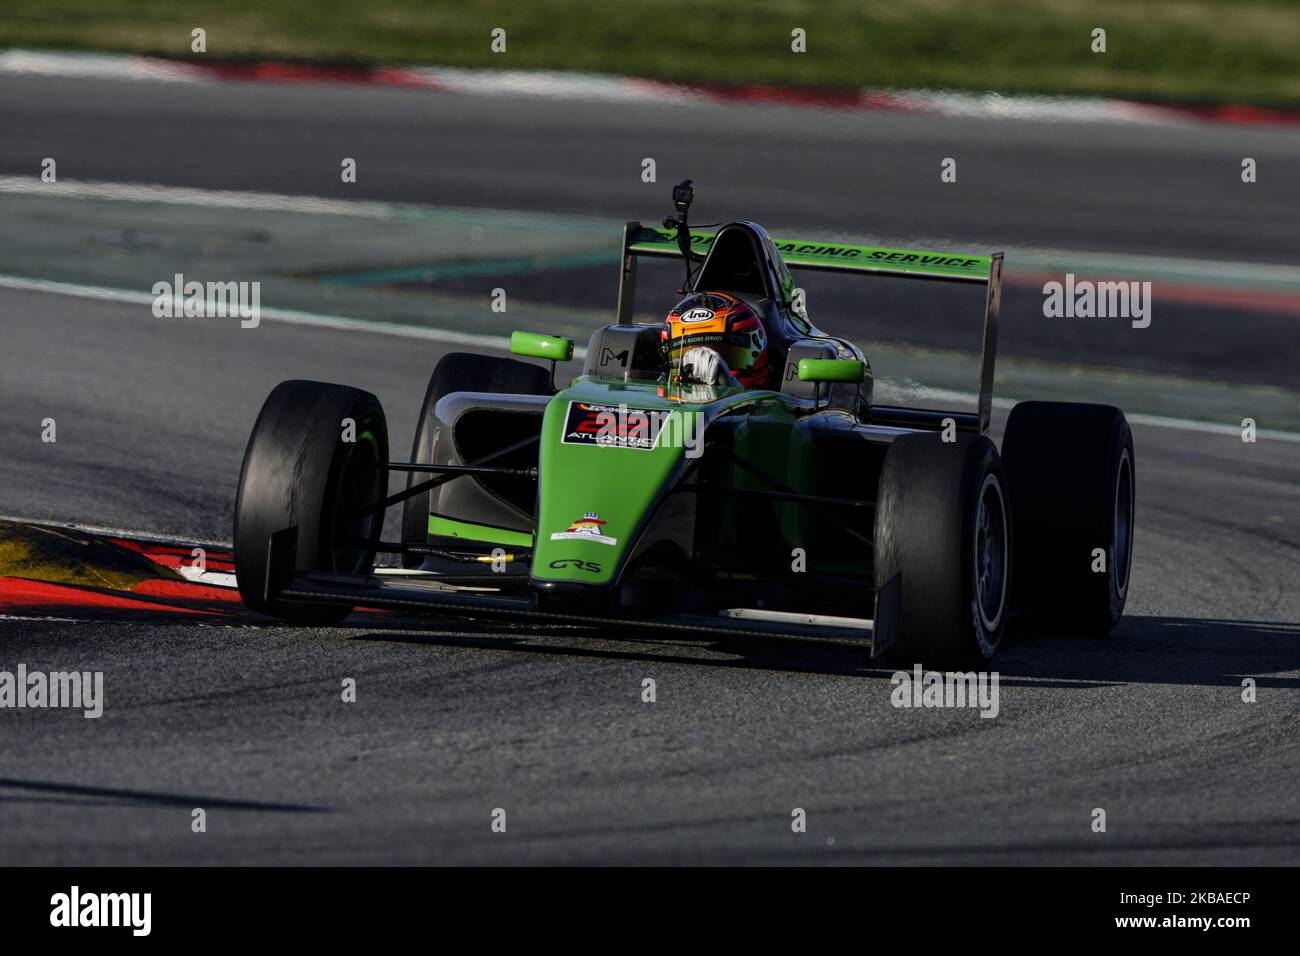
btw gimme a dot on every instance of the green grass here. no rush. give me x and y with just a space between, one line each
1206 50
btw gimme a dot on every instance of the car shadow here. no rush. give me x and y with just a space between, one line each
1141 650
1164 650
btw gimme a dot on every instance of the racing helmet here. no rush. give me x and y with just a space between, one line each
724 323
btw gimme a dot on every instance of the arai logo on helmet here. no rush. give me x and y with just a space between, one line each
696 315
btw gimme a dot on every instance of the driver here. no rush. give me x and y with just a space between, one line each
713 338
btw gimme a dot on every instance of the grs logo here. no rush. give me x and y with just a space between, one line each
561 563
696 315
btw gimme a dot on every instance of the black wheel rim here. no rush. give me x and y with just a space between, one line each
1122 557
360 484
991 553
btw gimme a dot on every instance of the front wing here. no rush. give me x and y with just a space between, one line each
431 593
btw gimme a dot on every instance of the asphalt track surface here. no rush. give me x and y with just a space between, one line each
456 718
1110 187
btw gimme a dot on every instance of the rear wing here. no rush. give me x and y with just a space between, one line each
828 256
639 240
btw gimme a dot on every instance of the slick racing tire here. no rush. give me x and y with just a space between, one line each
300 471
1072 475
943 528
458 372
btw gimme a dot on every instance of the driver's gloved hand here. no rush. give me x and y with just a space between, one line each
704 366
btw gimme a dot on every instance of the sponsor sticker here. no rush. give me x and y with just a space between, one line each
697 315
613 426
608 355
563 563
587 528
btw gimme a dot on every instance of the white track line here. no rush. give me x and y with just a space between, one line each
100 66
502 343
95 190
195 196
1134 418
292 316
1213 428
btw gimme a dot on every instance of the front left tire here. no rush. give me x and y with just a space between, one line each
943 529
300 470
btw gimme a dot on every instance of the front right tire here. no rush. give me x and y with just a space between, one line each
1072 471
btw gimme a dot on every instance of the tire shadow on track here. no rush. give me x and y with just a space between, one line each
1142 650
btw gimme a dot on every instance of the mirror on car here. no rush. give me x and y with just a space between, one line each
831 370
534 345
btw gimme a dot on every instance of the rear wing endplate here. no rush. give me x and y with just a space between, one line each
639 241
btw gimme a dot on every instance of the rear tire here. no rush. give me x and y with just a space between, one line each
299 472
943 524
1071 468
458 372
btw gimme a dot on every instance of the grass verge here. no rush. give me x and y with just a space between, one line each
1188 50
